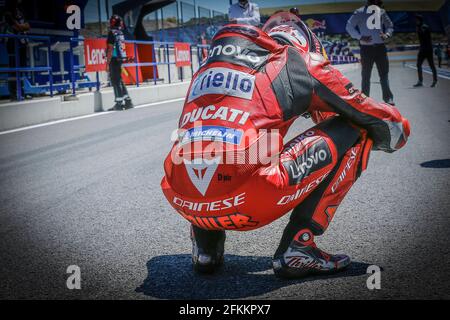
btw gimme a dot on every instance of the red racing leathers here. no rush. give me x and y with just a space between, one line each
247 94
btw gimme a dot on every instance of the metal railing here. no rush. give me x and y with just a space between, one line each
77 68
154 64
161 51
202 52
19 69
156 45
167 47
342 59
165 59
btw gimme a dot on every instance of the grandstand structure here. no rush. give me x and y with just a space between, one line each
160 20
197 20
188 21
333 6
329 17
59 76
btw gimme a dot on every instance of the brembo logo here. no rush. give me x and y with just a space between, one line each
223 81
235 51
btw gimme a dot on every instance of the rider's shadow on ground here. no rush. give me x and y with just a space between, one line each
172 277
436 164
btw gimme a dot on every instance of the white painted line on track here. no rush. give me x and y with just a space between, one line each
85 117
156 103
440 75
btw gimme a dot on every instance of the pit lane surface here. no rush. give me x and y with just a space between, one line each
86 193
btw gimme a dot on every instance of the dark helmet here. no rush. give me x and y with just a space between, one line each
116 22
375 2
295 11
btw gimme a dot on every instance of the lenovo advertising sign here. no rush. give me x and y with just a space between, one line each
182 54
95 54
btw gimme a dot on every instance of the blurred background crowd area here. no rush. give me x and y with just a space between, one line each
196 20
55 61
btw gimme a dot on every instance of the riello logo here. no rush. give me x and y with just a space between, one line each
224 81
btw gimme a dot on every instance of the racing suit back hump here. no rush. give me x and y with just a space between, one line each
239 102
220 173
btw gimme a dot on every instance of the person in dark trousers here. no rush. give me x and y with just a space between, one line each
438 52
425 51
15 24
295 11
116 56
373 48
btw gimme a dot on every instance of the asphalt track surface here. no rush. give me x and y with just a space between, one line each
87 193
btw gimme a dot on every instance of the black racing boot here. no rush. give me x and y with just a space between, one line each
418 84
207 249
303 258
117 107
129 104
434 83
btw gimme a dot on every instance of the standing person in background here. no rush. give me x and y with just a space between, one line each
438 52
295 11
15 24
425 51
244 12
116 55
373 48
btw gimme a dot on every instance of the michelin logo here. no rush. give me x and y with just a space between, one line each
213 133
223 81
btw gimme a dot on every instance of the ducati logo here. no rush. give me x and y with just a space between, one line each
201 171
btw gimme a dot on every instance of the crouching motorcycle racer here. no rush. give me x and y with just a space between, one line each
257 82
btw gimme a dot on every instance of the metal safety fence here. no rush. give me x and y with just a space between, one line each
18 69
163 64
163 56
77 68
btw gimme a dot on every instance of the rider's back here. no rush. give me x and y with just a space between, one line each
248 86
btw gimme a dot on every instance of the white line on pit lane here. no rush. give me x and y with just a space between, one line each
85 117
429 72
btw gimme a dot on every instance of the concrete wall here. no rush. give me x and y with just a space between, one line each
21 114
163 70
25 113
143 95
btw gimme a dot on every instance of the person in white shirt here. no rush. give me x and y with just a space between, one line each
244 12
372 44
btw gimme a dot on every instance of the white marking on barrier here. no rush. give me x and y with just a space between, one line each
85 117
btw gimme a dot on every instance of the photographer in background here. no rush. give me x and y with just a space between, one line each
116 55
15 24
439 53
425 51
244 12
